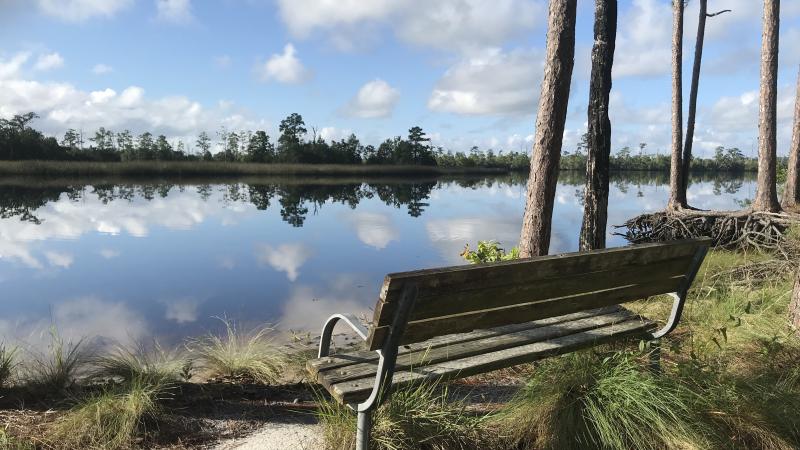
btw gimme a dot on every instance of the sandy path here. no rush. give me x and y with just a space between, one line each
278 436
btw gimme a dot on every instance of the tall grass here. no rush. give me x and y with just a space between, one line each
582 400
8 363
240 355
57 368
422 417
154 365
109 420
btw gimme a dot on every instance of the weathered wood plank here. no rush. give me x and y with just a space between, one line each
314 366
417 331
412 361
358 390
439 302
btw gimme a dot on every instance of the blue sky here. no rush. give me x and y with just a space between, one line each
467 71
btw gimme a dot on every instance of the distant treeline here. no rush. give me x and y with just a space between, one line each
19 141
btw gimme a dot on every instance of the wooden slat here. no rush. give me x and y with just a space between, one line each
314 366
446 302
358 390
418 331
410 361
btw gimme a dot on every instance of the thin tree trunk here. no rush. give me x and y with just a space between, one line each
791 195
794 306
595 212
677 197
537 221
766 190
698 57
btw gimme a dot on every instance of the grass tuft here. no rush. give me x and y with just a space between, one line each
57 368
8 363
422 417
240 355
137 362
581 400
108 420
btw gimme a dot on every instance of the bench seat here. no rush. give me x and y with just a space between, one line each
350 376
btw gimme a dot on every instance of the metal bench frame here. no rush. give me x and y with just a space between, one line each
387 355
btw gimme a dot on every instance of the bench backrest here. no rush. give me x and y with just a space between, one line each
427 303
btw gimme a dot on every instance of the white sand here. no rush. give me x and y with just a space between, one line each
278 436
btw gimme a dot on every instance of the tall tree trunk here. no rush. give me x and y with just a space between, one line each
595 212
698 57
794 306
536 223
677 197
791 195
766 191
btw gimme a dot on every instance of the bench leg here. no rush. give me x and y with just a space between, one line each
363 428
655 356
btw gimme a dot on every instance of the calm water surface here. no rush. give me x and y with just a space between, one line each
127 261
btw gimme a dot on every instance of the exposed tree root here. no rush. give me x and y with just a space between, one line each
735 230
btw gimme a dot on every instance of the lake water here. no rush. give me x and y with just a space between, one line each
130 260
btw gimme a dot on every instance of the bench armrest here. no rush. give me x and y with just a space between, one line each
330 324
674 317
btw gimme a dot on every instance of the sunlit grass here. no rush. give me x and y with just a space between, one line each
240 355
422 417
154 365
108 420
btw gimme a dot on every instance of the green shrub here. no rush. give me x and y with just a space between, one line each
152 365
489 251
57 368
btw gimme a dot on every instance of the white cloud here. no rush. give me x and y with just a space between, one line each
102 69
284 258
12 67
80 10
108 253
644 44
331 134
373 229
62 106
492 83
174 11
374 99
59 259
223 61
444 24
49 61
307 307
182 310
283 68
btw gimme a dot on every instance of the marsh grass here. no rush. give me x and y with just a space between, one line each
111 419
216 168
57 368
153 364
421 417
8 364
240 355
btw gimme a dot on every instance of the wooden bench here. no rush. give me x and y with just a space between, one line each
452 322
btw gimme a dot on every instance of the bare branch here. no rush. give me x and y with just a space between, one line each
718 13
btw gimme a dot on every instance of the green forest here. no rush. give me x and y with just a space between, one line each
19 140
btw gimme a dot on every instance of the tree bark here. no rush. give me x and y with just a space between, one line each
677 197
550 119
794 306
791 195
698 57
595 212
766 191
